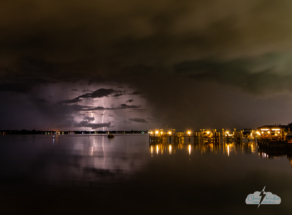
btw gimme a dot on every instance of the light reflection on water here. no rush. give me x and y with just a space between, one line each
223 148
75 158
127 171
228 149
83 158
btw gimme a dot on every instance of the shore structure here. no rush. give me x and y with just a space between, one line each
265 136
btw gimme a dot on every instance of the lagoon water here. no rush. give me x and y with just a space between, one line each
79 174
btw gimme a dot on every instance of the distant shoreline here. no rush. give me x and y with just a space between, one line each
21 132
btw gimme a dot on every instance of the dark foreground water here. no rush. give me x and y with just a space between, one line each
91 174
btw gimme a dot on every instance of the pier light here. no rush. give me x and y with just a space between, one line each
161 132
156 132
169 132
208 132
268 132
189 132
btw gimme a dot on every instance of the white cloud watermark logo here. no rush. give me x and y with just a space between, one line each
262 198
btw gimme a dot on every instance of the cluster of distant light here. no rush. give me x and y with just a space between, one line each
159 132
265 131
170 132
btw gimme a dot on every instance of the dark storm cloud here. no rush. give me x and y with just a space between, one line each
118 93
129 106
76 100
77 108
119 41
238 73
130 100
88 118
140 120
160 48
122 106
98 93
91 125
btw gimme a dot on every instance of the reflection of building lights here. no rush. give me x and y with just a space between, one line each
151 150
228 150
190 149
161 132
157 149
170 149
252 148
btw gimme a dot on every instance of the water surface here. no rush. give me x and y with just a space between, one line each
80 174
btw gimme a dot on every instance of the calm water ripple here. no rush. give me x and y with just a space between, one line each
167 178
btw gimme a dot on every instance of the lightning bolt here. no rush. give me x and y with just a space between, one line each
262 195
102 114
92 116
93 120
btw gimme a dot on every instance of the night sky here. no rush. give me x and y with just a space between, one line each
123 65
